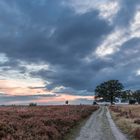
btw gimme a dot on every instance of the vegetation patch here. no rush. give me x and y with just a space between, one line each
41 122
127 118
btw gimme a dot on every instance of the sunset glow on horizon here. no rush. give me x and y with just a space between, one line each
20 88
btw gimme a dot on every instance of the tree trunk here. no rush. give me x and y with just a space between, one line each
111 100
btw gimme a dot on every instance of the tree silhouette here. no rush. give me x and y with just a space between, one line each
109 90
66 102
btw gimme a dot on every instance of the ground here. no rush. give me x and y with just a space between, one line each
100 127
62 122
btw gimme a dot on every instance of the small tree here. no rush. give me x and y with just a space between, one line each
66 102
109 90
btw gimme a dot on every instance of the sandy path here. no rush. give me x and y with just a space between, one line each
100 126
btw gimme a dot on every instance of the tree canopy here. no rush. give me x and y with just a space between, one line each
109 90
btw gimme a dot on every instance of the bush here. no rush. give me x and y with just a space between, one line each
94 103
132 101
32 104
67 102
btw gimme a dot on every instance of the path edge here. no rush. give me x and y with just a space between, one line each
115 130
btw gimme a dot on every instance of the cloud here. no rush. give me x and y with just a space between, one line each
138 72
114 41
69 46
74 38
124 16
23 99
107 8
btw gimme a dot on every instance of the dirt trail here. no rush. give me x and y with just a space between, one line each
100 126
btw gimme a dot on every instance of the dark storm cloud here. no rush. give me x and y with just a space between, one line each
73 39
47 31
81 77
128 59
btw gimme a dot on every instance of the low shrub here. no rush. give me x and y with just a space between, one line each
132 102
32 104
40 122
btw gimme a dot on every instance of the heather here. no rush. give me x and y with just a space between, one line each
41 122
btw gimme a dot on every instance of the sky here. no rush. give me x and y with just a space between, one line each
57 50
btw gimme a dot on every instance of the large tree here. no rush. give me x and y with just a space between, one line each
109 90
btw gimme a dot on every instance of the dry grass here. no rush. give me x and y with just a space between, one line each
135 109
127 118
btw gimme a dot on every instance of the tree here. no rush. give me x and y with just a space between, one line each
109 90
136 96
66 102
